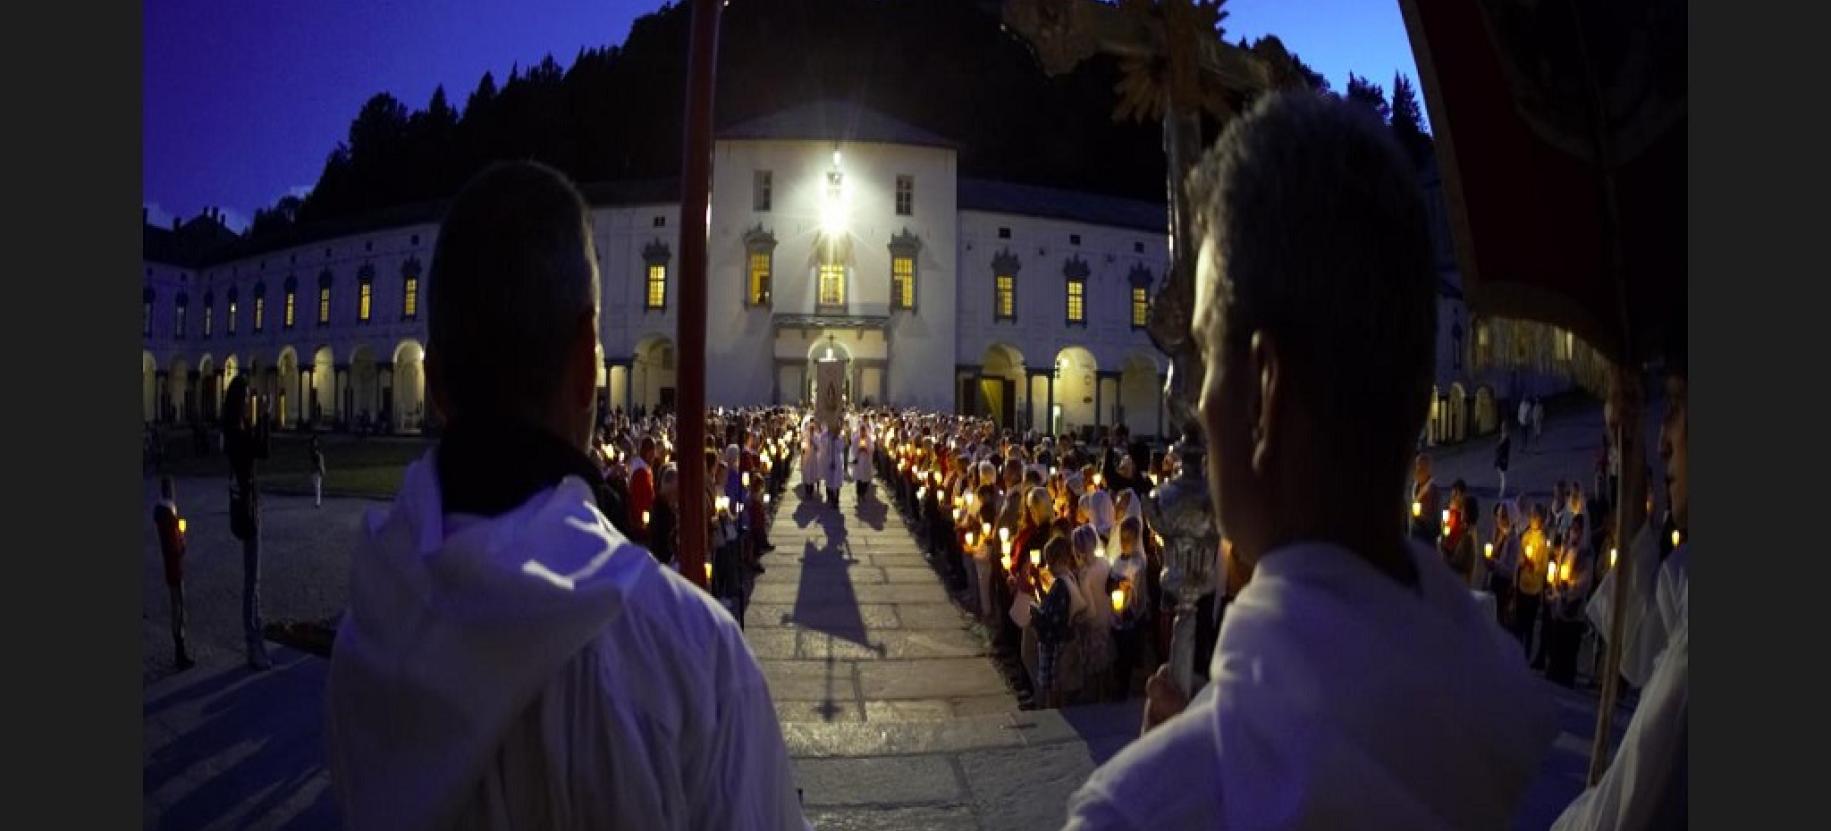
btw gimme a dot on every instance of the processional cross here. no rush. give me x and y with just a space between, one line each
1176 67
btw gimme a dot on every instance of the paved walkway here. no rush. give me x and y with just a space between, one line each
891 705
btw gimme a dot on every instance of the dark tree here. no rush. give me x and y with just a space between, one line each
1408 121
1368 94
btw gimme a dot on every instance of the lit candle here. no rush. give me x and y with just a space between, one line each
1565 572
1118 599
1611 558
1551 569
1036 559
1417 508
1446 517
744 479
1098 479
766 499
708 572
1005 546
645 517
921 493
956 516
1005 561
1490 550
1004 534
1675 538
985 528
969 539
181 525
723 503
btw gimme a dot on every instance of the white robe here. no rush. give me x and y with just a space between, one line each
1648 781
833 459
862 445
538 670
810 454
1340 699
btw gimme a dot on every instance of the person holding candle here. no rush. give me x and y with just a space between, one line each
170 526
1095 632
1529 583
1314 314
1424 524
1503 558
1051 617
642 489
1569 594
246 442
1132 616
861 444
508 658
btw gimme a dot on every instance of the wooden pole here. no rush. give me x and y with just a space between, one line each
690 325
1630 504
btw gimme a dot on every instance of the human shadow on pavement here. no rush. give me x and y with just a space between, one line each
281 714
872 511
825 600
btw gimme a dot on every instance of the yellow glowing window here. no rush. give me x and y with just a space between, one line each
410 302
289 305
324 304
1077 301
1141 306
902 279
364 293
260 312
1005 305
232 305
657 286
759 278
832 284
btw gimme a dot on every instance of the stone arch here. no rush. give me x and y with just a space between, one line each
410 386
652 373
1458 426
209 388
322 381
181 394
361 402
1141 394
289 395
1076 373
149 386
1000 387
1487 413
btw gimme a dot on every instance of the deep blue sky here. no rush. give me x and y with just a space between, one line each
243 100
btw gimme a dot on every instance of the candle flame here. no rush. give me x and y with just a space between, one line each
645 517
1565 571
1004 534
708 572
1005 561
1417 508
1675 538
1490 551
1611 558
1036 558
1006 547
985 528
181 525
1118 599
969 539
1446 516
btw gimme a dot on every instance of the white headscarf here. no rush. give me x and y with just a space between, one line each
1133 508
1100 513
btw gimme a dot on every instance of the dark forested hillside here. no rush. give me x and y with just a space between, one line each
615 112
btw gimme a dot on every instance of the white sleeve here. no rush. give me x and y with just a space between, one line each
1647 782
749 782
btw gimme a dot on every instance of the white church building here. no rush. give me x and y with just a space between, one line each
836 233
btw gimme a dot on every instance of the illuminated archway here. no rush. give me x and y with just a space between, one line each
997 391
410 386
323 385
652 373
1140 395
1076 372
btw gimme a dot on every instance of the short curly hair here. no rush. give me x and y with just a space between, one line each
1321 239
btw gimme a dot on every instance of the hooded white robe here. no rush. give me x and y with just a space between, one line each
1340 699
538 670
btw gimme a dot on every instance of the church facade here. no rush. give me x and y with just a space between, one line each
835 234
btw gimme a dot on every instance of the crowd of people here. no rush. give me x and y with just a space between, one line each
510 659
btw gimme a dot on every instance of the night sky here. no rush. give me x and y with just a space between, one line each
243 100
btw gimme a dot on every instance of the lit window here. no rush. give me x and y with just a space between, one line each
291 297
324 305
1077 300
759 278
1141 307
365 293
760 190
178 323
1006 305
832 283
657 286
232 313
260 310
905 195
410 302
902 280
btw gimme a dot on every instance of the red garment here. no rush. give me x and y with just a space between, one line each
171 542
641 498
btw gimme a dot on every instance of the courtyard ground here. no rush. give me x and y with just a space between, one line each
892 709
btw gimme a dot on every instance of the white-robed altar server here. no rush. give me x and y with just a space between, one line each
810 454
1355 682
833 461
1647 784
508 659
864 445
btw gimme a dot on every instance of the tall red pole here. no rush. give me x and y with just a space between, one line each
690 326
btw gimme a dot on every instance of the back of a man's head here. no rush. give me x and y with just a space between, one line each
1320 240
513 282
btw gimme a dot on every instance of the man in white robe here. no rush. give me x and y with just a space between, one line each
1648 782
1355 682
863 444
833 461
508 659
810 454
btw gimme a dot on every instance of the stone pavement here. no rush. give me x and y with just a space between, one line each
892 708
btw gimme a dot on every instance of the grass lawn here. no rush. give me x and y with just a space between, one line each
353 465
